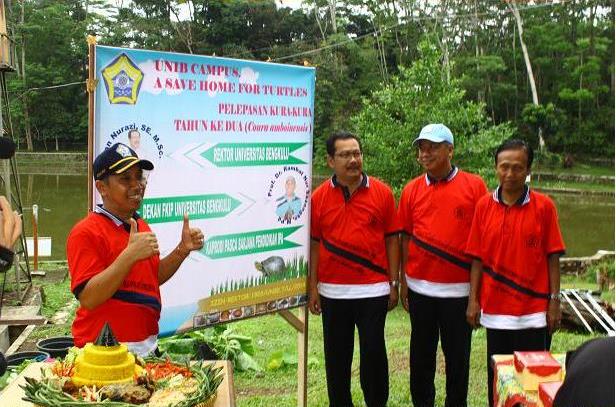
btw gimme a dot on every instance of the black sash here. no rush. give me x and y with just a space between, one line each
512 284
440 253
353 257
137 298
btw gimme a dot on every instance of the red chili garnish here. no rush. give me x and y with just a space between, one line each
167 369
63 369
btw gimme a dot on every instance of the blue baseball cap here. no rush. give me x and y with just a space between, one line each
436 133
117 159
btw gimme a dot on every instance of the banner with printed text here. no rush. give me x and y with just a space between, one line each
231 144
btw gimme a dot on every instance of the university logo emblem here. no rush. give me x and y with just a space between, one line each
123 151
123 80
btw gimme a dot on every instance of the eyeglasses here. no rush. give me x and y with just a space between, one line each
346 155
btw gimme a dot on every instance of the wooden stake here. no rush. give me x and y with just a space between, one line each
300 323
91 87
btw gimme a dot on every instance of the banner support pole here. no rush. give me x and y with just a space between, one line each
300 323
91 87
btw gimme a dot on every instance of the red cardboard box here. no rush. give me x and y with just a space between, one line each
533 368
547 393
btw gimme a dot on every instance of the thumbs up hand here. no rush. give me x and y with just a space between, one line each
192 238
141 245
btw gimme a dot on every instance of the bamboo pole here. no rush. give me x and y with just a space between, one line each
35 235
91 87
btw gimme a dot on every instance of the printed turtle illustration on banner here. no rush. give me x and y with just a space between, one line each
272 265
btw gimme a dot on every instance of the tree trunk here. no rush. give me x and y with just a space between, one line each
332 14
480 92
515 75
380 46
581 86
529 69
318 20
444 43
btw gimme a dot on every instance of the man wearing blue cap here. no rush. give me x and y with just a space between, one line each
113 257
436 210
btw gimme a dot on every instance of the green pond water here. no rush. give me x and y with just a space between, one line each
587 222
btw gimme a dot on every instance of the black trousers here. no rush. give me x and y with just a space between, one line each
339 320
432 317
507 341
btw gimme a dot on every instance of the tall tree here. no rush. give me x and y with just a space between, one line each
529 68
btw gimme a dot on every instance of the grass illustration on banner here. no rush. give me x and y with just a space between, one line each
293 268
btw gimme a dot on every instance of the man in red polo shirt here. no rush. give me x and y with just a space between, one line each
113 257
436 210
354 257
515 243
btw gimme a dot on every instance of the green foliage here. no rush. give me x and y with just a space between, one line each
280 359
52 42
476 154
344 76
48 331
13 372
56 294
393 116
605 267
571 48
547 118
221 339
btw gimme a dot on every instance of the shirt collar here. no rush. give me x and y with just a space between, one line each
452 174
524 199
365 181
117 221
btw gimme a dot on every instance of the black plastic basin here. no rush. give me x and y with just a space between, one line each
57 346
16 358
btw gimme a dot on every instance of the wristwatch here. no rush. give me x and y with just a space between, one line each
394 283
554 297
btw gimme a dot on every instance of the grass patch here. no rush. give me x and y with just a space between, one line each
55 296
271 334
55 289
573 185
49 331
585 169
588 280
279 387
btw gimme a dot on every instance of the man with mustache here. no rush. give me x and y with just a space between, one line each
436 210
354 260
113 257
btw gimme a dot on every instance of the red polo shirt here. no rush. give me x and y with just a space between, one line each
513 243
437 216
351 230
134 310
